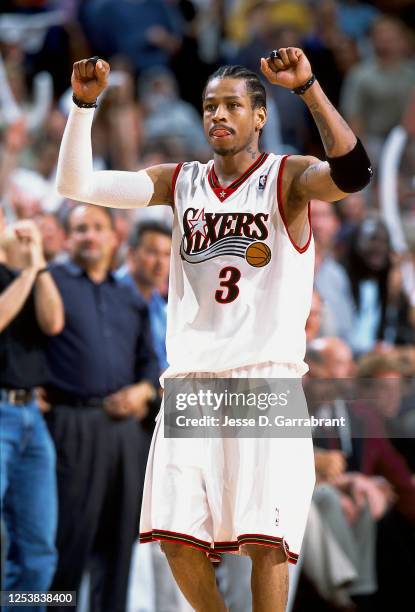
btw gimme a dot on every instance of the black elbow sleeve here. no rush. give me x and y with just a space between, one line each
353 171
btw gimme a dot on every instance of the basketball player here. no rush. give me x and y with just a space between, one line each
240 290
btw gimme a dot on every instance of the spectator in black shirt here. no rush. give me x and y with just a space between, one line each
30 307
104 375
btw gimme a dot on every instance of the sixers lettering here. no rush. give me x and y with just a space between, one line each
214 234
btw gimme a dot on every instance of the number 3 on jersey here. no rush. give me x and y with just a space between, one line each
230 290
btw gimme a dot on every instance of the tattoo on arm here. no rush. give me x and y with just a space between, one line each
326 133
309 173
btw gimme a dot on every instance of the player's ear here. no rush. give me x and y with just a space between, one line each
261 118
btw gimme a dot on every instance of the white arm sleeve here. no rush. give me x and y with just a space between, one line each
76 179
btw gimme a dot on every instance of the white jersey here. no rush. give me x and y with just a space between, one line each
240 289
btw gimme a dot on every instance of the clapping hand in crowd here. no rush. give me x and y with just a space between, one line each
30 242
330 464
358 491
24 243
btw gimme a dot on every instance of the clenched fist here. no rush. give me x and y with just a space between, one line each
89 79
290 68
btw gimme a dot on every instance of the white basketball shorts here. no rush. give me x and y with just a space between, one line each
218 494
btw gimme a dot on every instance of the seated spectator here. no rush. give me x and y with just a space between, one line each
381 376
103 378
360 492
383 312
352 524
396 528
362 441
30 309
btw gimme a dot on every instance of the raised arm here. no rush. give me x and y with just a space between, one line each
347 168
76 178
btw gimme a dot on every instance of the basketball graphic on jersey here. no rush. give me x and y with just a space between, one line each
258 254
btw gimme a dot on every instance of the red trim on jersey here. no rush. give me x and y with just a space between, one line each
230 189
174 178
281 209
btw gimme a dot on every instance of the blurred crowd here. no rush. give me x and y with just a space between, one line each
86 341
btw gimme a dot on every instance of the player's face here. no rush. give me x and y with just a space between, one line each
229 121
91 236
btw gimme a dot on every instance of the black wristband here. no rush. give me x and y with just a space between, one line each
301 90
81 104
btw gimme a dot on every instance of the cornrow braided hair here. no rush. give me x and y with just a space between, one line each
254 87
